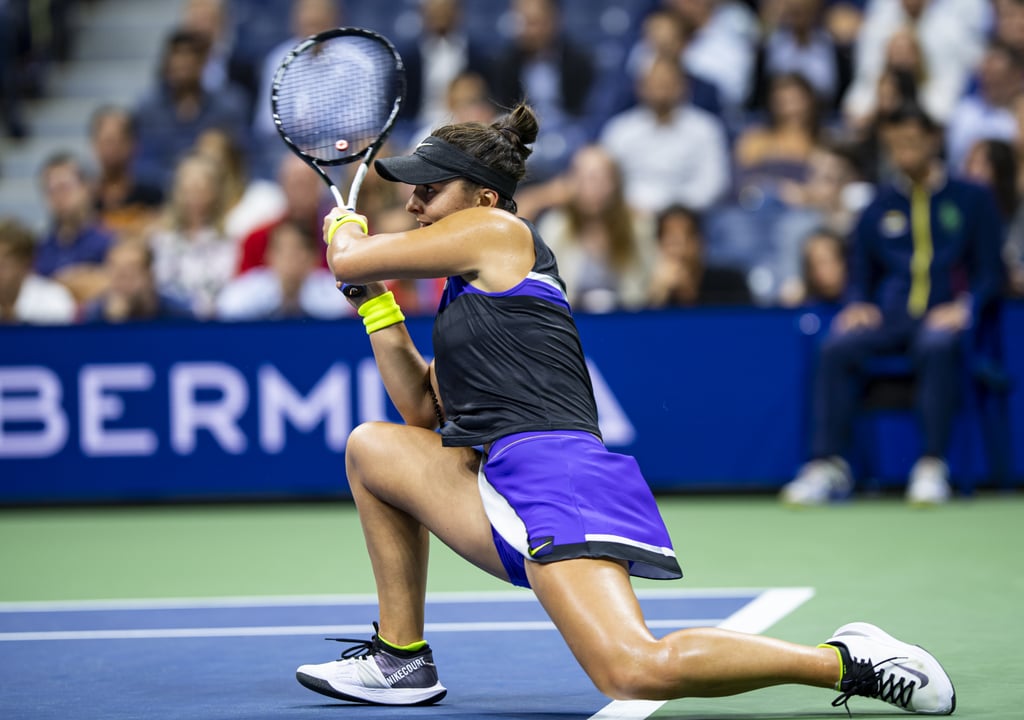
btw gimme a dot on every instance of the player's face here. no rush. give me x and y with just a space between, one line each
430 203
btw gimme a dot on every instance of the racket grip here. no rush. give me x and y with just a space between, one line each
353 291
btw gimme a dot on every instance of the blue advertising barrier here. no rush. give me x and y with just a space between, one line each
710 399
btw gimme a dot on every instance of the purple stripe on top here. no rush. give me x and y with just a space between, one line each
534 285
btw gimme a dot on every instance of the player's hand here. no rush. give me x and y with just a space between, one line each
858 316
356 227
370 290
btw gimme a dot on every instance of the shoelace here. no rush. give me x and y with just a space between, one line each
869 680
360 649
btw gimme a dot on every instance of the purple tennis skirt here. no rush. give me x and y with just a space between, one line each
562 494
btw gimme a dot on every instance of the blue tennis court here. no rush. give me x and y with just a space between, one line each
497 653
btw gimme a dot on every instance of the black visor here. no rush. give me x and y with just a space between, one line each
435 160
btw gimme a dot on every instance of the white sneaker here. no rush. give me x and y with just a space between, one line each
877 665
819 482
929 482
371 672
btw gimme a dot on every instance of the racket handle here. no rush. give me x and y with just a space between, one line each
353 291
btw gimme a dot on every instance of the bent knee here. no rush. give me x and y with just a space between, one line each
631 675
368 442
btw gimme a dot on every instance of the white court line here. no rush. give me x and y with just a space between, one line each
755 617
255 601
286 630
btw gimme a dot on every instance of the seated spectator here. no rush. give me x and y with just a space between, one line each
468 99
950 36
994 163
225 68
989 112
604 249
73 248
124 203
544 67
24 296
823 272
193 258
443 51
915 288
664 33
173 114
307 17
250 202
681 276
306 201
669 151
131 294
794 40
292 285
896 88
721 49
779 150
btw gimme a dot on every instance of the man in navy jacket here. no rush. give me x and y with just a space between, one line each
925 265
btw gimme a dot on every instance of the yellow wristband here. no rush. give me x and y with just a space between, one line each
338 222
380 312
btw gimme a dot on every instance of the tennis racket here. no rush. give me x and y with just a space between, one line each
334 99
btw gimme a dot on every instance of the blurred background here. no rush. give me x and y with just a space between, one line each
170 330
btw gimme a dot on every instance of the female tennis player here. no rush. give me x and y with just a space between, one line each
518 481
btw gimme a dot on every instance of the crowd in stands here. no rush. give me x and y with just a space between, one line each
724 157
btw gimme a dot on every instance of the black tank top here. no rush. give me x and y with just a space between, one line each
511 362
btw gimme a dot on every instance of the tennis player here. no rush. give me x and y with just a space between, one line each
518 481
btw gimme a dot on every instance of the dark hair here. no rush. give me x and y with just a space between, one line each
1003 159
116 111
501 146
18 238
911 112
800 81
838 243
59 159
682 211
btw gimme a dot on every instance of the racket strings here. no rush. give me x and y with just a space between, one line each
336 97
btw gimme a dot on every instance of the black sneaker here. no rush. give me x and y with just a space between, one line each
877 665
371 672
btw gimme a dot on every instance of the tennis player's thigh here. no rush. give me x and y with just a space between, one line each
408 468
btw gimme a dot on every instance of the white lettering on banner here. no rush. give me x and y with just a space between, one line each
616 429
329 401
31 395
96 406
372 405
219 417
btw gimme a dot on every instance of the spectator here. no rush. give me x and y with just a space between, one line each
131 294
823 272
681 276
193 258
767 155
669 151
665 33
544 67
721 49
178 109
995 163
124 203
73 248
443 52
467 100
24 296
225 69
951 37
834 192
895 89
250 202
925 267
989 112
794 40
305 204
293 284
308 17
604 249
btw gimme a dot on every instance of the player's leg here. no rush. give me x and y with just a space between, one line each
613 644
405 485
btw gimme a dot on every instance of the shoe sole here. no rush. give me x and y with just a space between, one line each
380 697
868 630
